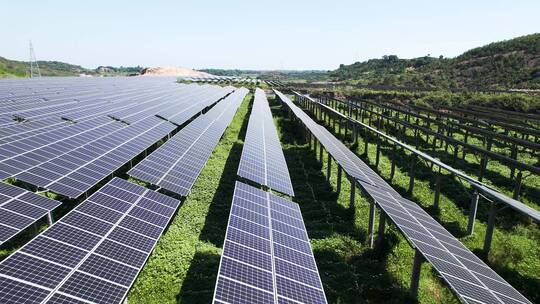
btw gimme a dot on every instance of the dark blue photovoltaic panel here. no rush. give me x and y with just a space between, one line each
94 252
232 292
466 274
54 251
253 257
12 291
262 158
176 164
93 289
264 255
33 270
19 209
247 274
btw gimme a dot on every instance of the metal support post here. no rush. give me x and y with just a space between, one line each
490 227
329 168
380 232
411 176
415 278
339 173
49 218
472 212
371 224
437 189
353 190
321 152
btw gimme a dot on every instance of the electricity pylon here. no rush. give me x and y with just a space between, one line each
34 67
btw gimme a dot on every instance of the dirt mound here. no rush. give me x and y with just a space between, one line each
173 71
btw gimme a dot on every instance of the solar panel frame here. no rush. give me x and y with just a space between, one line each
176 165
262 159
20 209
246 267
99 267
426 234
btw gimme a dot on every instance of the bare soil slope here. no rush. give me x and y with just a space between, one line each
173 71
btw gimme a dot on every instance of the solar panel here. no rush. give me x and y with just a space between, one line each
471 279
262 158
73 173
19 209
267 257
189 106
347 159
72 158
94 253
468 276
176 165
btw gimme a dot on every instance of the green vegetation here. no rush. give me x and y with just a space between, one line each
519 102
514 252
184 265
13 68
511 64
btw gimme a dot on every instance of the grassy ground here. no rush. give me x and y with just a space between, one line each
497 175
184 265
351 272
515 251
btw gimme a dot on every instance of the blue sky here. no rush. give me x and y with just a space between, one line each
255 34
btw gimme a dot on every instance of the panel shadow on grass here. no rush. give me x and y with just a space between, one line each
350 272
198 287
218 213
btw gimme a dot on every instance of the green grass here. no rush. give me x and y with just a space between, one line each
183 267
514 252
351 272
184 264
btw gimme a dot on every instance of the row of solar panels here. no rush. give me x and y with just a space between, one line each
94 253
72 158
262 157
467 275
267 256
81 168
218 79
177 163
64 96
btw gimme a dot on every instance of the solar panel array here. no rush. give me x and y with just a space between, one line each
19 209
267 257
467 275
176 165
352 165
262 157
71 157
94 253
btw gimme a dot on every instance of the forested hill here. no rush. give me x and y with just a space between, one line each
510 64
13 68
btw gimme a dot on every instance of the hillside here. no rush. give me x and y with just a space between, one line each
13 68
510 64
